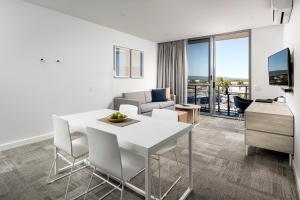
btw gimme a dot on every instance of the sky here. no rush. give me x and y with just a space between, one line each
198 61
232 58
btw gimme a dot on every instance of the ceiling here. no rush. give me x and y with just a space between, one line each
166 20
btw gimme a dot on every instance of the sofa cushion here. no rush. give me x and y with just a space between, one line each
148 107
165 104
138 96
148 96
168 94
158 95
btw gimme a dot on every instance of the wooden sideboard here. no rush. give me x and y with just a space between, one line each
270 126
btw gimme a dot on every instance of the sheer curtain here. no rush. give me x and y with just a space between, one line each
172 68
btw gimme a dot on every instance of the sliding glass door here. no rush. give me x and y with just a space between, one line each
199 78
218 70
231 71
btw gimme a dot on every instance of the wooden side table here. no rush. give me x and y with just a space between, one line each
182 116
192 111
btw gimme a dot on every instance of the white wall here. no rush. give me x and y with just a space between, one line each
31 91
292 40
264 42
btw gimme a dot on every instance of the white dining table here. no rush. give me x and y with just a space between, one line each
144 138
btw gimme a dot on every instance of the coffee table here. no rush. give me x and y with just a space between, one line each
192 110
182 116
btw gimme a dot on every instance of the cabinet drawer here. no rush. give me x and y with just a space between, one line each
270 141
271 123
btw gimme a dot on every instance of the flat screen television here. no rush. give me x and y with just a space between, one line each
279 65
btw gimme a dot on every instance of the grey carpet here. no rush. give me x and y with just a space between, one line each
221 170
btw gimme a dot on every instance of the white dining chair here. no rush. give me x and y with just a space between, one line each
129 110
168 115
76 148
106 156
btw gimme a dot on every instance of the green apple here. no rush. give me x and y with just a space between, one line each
114 116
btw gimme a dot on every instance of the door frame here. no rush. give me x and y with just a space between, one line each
210 70
213 110
212 67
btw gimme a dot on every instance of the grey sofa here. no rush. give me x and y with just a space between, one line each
143 100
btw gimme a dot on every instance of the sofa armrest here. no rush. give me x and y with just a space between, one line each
173 98
119 101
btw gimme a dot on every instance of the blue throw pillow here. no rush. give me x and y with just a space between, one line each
158 95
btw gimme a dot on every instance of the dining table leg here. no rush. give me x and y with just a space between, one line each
55 161
147 177
190 172
190 161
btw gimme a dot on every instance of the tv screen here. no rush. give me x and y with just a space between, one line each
279 68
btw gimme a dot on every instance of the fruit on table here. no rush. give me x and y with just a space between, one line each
118 115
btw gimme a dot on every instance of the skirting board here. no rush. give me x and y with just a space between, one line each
18 143
296 179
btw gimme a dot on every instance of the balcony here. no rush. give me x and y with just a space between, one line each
223 100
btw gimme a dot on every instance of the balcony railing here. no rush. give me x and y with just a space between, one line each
199 94
223 100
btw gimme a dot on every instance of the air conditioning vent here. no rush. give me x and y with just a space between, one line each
282 10
281 19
